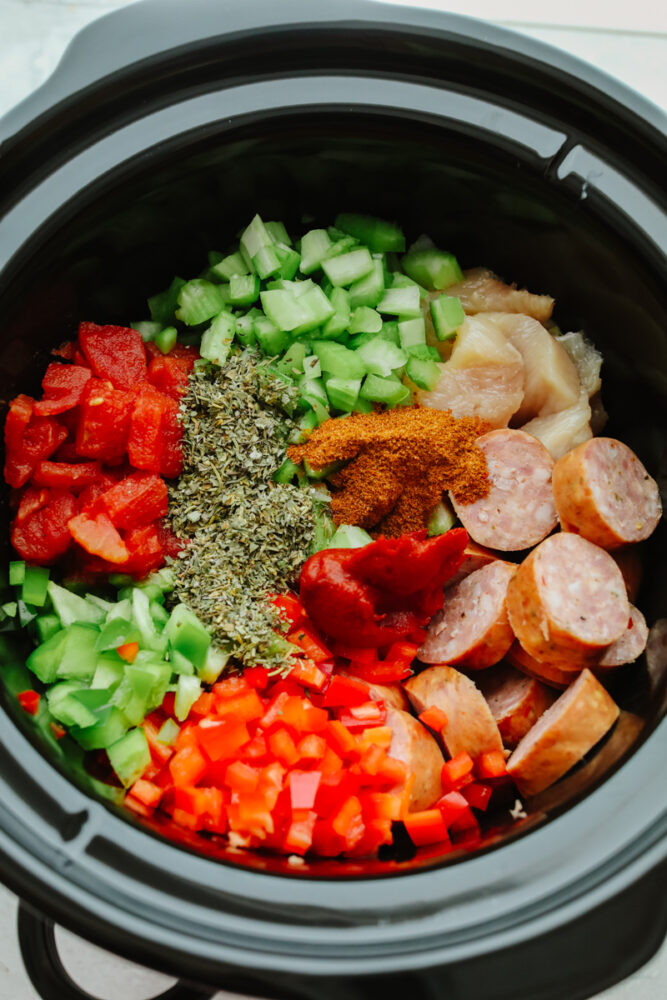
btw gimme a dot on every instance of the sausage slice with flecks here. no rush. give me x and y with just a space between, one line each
516 701
413 744
563 735
470 724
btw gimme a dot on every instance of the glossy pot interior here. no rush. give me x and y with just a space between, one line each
513 183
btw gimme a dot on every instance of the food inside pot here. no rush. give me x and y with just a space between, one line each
326 551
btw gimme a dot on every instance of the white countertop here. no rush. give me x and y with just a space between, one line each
628 41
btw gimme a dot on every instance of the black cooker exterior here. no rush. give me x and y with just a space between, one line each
580 901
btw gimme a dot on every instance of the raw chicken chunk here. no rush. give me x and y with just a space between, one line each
561 432
482 291
586 358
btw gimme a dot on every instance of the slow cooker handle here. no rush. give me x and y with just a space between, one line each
49 976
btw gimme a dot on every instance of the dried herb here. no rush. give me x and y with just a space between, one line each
247 536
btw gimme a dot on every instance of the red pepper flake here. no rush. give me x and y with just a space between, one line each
29 701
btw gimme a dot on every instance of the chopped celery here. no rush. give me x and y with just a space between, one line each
349 536
293 359
402 302
168 733
319 308
130 756
312 367
311 391
411 332
217 340
253 238
16 573
245 331
369 290
266 263
187 692
230 266
289 260
338 323
348 267
441 519
278 233
71 608
215 662
243 289
314 247
284 309
148 329
381 357
365 320
324 530
162 306
198 301
343 392
34 586
338 360
389 390
379 235
434 269
447 315
424 352
317 475
270 337
424 374
165 340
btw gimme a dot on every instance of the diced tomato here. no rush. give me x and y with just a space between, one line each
145 441
434 718
96 534
145 552
63 387
491 765
29 701
31 500
17 420
115 353
91 494
44 535
380 672
128 651
171 544
39 440
104 423
171 459
426 827
221 739
136 500
66 476
170 374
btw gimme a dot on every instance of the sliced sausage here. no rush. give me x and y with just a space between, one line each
470 724
413 744
474 557
631 644
567 601
516 701
563 735
472 628
556 675
603 492
519 510
630 565
392 695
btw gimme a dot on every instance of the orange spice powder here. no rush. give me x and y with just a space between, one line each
399 464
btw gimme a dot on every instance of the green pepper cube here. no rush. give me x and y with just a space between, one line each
16 573
187 634
35 585
109 727
78 658
130 756
187 692
447 315
44 660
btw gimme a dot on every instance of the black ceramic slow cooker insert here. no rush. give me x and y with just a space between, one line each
166 127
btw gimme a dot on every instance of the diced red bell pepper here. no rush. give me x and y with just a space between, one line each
453 807
147 792
426 827
256 749
371 713
244 707
299 836
115 353
29 701
491 764
434 718
221 739
308 674
96 534
170 373
382 805
301 714
331 762
187 766
345 691
311 747
348 822
57 730
477 795
310 643
457 772
231 686
257 677
303 786
241 777
128 651
104 423
283 747
66 475
289 607
44 535
136 500
63 387
342 740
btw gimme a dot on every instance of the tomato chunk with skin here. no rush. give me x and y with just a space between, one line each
63 387
96 534
145 551
72 476
137 500
145 441
43 536
40 438
115 353
170 374
104 423
171 458
17 420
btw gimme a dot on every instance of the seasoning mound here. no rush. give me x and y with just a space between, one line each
399 464
247 536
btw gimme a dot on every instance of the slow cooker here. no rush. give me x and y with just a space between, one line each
164 129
